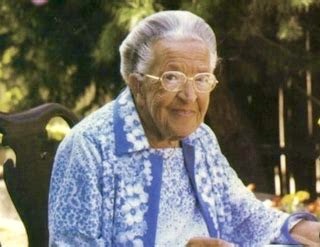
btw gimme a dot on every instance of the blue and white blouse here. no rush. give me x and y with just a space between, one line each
110 188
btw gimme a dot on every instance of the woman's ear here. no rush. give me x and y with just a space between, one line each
135 85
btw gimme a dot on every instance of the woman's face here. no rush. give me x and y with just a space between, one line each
171 116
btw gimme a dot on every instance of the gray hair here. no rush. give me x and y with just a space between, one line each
136 49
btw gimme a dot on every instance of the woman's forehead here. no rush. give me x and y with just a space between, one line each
174 53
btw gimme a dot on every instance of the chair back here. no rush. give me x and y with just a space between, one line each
28 178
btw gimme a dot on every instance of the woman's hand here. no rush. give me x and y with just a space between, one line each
307 233
208 242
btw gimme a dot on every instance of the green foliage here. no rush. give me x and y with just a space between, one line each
53 51
66 51
125 16
61 50
130 13
290 29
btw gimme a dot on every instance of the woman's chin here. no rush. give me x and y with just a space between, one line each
182 133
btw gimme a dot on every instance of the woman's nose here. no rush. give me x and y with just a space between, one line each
188 92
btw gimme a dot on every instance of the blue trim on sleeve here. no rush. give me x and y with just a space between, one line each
285 231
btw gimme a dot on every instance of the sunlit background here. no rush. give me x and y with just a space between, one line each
265 110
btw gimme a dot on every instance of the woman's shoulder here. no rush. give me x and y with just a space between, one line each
96 122
92 127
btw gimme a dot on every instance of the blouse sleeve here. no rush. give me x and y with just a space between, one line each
75 199
291 221
243 219
251 221
247 221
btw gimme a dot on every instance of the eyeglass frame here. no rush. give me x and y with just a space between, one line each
213 85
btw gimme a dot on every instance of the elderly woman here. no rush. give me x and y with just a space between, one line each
144 170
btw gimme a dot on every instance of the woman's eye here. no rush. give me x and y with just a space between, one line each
171 77
202 80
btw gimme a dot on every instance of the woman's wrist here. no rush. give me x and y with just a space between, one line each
306 232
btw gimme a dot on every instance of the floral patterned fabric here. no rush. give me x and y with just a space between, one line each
178 214
110 188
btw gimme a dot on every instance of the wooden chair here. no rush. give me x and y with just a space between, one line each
28 179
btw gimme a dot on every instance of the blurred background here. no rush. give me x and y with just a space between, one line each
265 110
268 99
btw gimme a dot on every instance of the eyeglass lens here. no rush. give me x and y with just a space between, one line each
174 80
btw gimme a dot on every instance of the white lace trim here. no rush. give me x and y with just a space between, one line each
179 218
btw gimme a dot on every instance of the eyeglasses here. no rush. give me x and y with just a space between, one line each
174 81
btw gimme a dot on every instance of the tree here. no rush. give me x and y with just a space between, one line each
66 51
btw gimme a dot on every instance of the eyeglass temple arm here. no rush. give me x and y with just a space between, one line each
152 77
